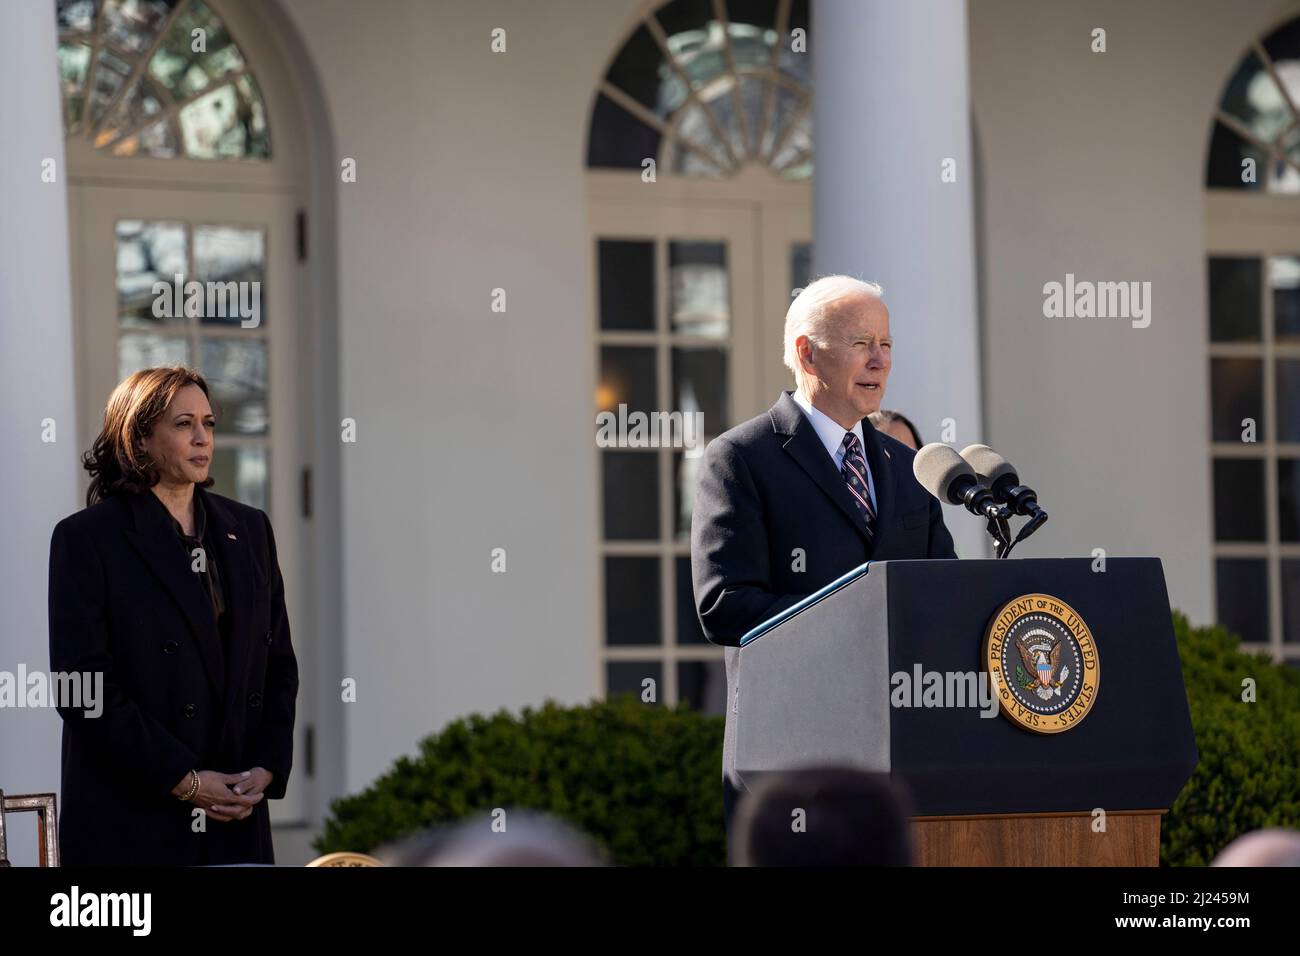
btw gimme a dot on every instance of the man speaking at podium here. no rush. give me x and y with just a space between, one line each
791 500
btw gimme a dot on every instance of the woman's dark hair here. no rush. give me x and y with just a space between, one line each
117 461
883 417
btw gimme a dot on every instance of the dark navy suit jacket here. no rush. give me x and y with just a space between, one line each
769 492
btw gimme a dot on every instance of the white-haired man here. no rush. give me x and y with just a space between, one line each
792 499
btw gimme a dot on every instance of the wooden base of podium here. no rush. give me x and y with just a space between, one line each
1132 838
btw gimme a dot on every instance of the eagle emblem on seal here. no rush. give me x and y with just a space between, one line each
1040 667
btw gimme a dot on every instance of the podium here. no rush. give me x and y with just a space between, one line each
870 672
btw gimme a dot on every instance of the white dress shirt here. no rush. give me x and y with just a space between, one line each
832 437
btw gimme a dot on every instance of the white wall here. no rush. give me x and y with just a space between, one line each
1094 164
474 428
38 483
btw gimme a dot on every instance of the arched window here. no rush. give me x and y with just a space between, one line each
160 78
699 166
706 87
1253 269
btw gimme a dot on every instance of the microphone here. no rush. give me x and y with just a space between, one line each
1000 475
947 476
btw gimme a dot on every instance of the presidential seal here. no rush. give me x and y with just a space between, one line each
1043 661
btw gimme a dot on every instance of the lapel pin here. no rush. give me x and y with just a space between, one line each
231 536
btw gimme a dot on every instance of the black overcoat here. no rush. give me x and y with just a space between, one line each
124 602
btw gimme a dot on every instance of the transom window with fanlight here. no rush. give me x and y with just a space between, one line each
692 271
707 86
161 78
1253 273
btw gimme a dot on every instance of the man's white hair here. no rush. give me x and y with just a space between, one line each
812 314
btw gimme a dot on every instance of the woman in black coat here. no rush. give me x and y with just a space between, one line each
174 594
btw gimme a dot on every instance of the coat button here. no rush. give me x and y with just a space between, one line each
171 647
190 710
254 699
269 637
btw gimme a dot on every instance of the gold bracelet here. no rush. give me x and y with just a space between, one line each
194 787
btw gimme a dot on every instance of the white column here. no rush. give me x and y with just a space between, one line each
38 479
892 107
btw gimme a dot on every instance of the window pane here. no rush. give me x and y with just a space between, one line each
76 15
688 621
182 71
159 141
1236 393
638 70
785 110
1253 98
693 126
627 284
1238 499
625 677
1291 600
132 24
140 350
797 65
1234 299
1284 281
627 377
133 110
1242 585
1283 48
700 385
753 101
619 140
632 601
700 297
797 147
241 473
1224 165
236 371
149 252
109 73
757 12
631 495
1288 493
703 685
225 255
228 123
74 61
1288 399
721 104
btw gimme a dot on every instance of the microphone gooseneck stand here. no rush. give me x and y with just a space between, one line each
1000 530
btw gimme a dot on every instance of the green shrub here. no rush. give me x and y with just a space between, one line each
1249 772
644 781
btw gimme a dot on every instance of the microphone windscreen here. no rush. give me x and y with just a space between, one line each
937 466
988 464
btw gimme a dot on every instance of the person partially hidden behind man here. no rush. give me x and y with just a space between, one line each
791 500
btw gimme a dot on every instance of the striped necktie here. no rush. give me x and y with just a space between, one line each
855 476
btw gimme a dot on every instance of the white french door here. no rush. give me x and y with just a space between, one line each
690 298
